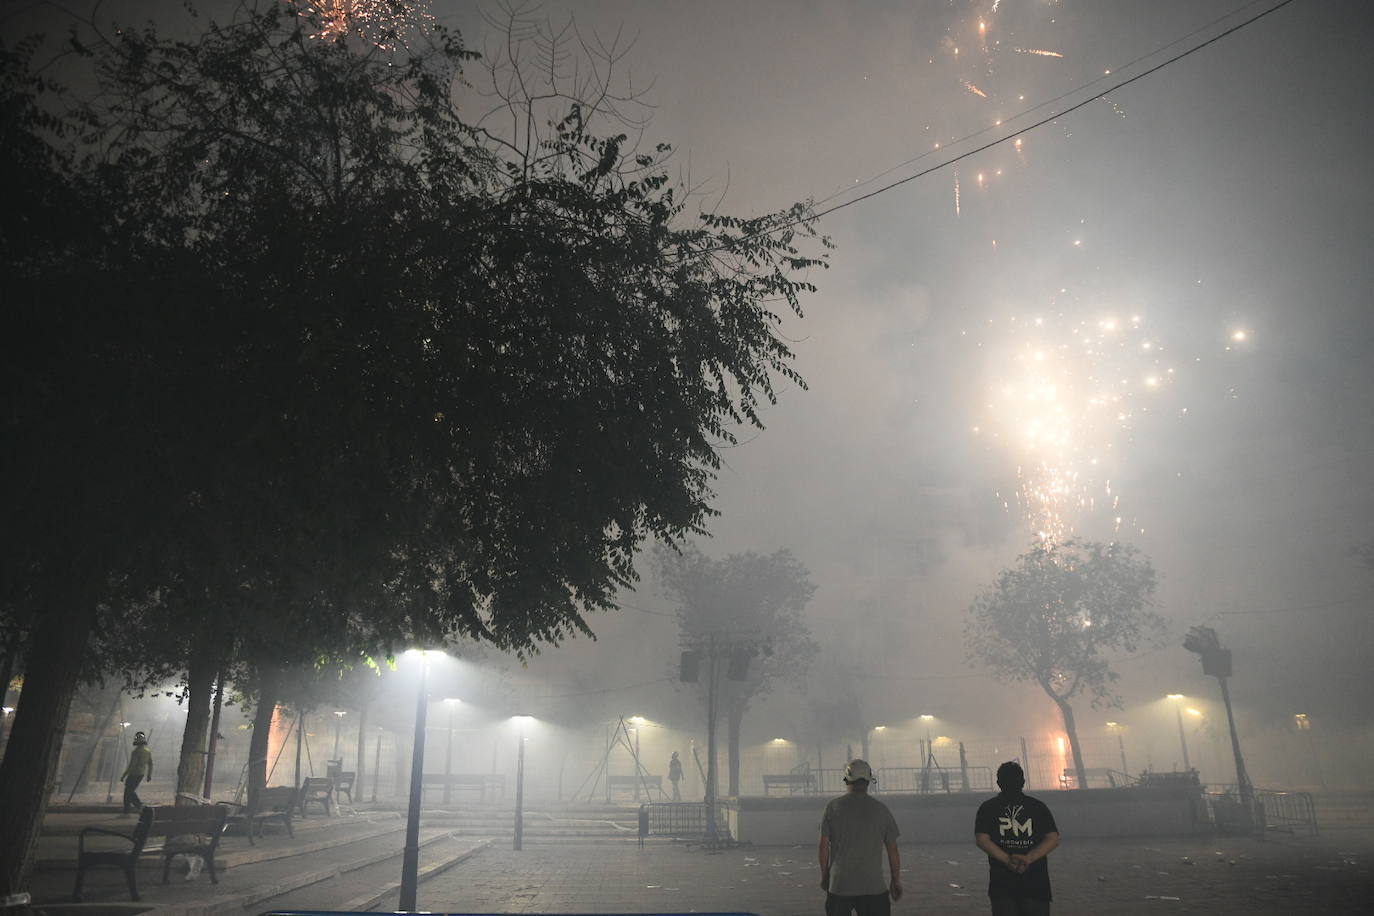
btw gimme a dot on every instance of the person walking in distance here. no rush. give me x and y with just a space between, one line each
1017 832
856 830
675 776
140 768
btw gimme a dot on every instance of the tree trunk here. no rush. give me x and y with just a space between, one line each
736 716
1080 773
359 769
54 661
200 684
262 728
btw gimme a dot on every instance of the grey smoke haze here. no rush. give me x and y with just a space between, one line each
1231 190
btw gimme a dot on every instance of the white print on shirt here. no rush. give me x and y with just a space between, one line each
1010 822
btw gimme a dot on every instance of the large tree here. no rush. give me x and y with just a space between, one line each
746 606
289 315
1056 615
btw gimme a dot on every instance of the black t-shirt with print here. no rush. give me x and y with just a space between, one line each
1017 823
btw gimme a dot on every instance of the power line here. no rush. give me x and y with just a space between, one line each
1119 84
1059 98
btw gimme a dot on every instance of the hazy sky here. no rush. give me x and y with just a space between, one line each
1228 192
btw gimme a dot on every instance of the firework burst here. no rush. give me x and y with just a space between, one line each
1064 401
382 23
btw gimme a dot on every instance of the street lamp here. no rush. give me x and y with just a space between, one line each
338 724
522 721
1304 724
1115 728
452 704
1182 738
410 861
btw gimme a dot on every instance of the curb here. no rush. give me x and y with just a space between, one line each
429 871
233 902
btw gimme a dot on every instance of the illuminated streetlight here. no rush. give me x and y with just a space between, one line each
1182 738
1115 728
338 724
522 721
410 862
452 704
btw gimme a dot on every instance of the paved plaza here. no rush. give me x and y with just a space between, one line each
1330 874
587 861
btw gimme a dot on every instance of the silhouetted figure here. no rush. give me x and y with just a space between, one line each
855 831
140 768
675 776
1017 832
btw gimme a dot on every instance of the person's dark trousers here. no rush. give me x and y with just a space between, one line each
865 905
131 799
1019 906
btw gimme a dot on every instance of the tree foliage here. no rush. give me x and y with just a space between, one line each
1056 616
315 365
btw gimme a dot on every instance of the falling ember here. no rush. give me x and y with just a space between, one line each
975 90
1037 52
956 193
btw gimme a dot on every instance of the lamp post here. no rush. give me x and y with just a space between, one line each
452 704
1304 724
410 862
338 724
520 783
1216 662
1115 728
377 765
1182 738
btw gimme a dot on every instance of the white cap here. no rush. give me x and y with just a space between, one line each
859 769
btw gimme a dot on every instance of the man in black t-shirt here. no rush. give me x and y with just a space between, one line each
1017 832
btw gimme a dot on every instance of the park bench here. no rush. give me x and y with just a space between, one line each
192 830
633 783
317 790
469 782
343 779
274 804
792 782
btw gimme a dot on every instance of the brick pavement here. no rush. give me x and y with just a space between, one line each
1329 874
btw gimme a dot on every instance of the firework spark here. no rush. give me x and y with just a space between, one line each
382 23
1038 52
975 90
1064 401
